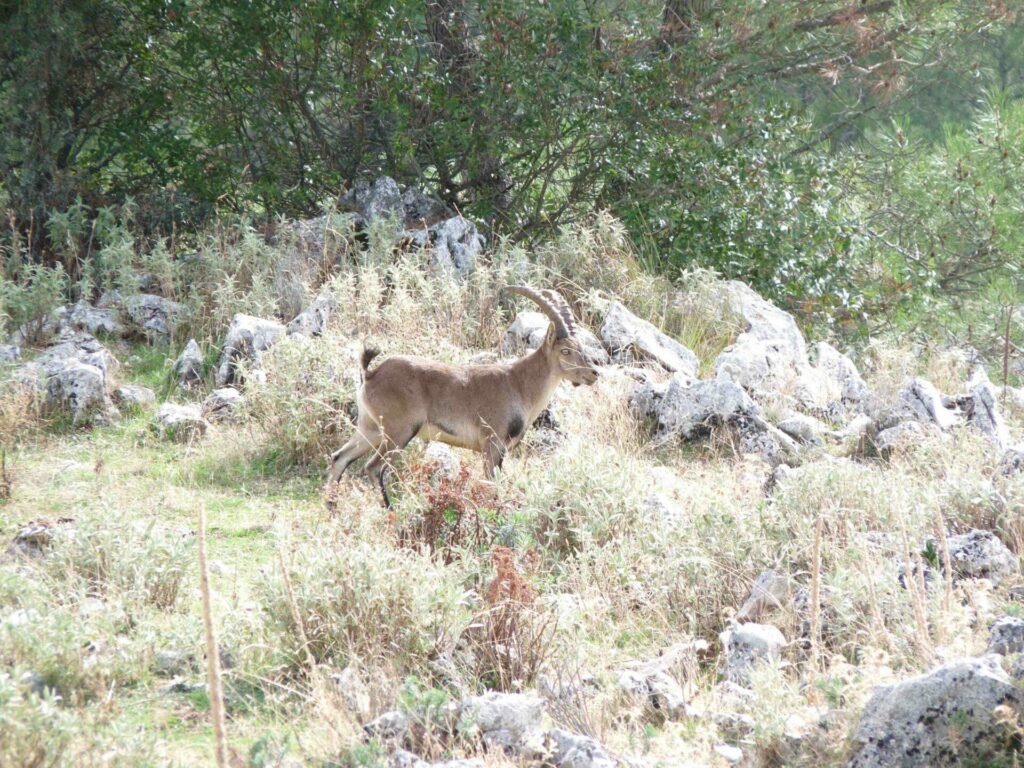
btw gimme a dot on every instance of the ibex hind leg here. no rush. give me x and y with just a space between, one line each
358 446
377 468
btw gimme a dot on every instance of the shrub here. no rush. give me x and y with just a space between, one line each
306 400
139 562
29 296
360 599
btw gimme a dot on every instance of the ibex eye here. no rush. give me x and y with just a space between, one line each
565 351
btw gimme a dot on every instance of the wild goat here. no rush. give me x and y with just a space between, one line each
483 407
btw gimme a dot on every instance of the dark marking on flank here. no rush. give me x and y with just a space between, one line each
515 427
446 429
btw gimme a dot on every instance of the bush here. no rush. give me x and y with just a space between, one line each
361 599
137 562
28 298
305 403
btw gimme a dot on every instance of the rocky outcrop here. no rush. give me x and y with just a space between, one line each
744 646
903 435
571 750
947 717
134 396
153 317
189 365
1006 635
85 317
771 593
841 370
981 555
180 423
802 428
9 353
629 338
509 721
691 410
982 406
453 245
71 375
223 405
246 339
379 199
921 401
658 683
679 409
312 321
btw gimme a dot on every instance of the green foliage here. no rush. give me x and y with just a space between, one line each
29 296
944 226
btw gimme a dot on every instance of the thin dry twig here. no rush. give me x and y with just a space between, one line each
212 655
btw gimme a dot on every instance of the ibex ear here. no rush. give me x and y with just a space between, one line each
549 337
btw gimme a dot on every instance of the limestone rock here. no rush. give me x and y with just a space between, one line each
1011 462
802 428
85 317
528 330
841 370
571 750
511 721
920 400
246 338
657 682
454 245
746 645
380 199
770 593
628 337
134 396
1006 635
181 423
153 316
9 353
422 210
189 365
390 727
678 407
223 404
312 321
984 413
442 460
902 435
981 555
946 717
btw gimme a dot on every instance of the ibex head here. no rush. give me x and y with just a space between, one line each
561 345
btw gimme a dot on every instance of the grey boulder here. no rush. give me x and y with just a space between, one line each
180 423
745 646
246 339
153 316
134 396
1006 635
946 717
980 554
527 332
572 750
85 317
628 338
223 404
511 721
312 321
189 365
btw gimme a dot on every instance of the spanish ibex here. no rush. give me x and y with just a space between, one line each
483 407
